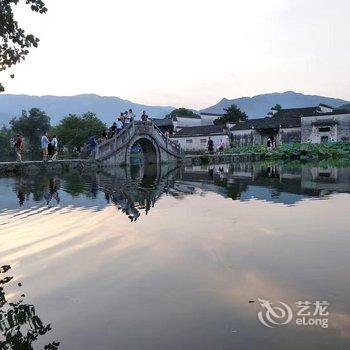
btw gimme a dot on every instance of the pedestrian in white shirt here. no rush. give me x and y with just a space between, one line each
54 144
127 118
119 125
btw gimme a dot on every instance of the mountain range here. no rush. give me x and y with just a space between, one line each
258 106
108 107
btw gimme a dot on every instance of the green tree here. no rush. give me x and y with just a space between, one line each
14 42
232 115
181 112
31 125
276 108
75 130
5 143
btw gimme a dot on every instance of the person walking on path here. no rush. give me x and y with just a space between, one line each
19 145
44 145
54 145
210 145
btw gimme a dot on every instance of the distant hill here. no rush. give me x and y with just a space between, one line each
347 106
106 108
258 106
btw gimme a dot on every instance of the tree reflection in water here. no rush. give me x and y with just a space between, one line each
135 190
20 326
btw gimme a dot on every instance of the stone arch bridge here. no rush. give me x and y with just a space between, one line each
156 147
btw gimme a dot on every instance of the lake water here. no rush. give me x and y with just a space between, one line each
176 259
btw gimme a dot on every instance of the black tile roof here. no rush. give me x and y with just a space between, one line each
327 106
195 116
203 130
285 118
269 123
295 112
162 121
334 112
212 114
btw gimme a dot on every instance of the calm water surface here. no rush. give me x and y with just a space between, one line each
174 259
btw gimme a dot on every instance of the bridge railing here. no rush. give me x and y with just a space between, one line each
108 147
170 145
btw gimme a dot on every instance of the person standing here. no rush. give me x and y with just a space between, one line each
144 117
105 134
210 145
49 148
44 145
131 115
221 146
114 128
126 118
19 145
92 145
122 118
269 143
119 125
54 147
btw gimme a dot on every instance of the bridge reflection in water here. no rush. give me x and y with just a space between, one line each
134 190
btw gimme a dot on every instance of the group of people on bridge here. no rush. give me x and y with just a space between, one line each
123 120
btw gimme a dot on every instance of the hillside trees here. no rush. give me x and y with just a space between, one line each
74 130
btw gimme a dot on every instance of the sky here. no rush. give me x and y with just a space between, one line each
188 53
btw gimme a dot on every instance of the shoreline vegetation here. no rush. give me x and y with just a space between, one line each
298 151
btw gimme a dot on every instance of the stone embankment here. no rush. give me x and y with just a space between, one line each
48 166
90 165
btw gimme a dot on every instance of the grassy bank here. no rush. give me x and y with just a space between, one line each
299 151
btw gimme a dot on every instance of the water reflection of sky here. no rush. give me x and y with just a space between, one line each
182 277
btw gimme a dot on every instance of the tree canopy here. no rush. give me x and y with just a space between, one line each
181 112
14 41
232 115
277 107
74 130
5 142
31 125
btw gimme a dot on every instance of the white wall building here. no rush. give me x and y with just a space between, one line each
326 124
196 138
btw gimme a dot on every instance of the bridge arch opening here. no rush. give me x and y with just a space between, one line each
143 151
